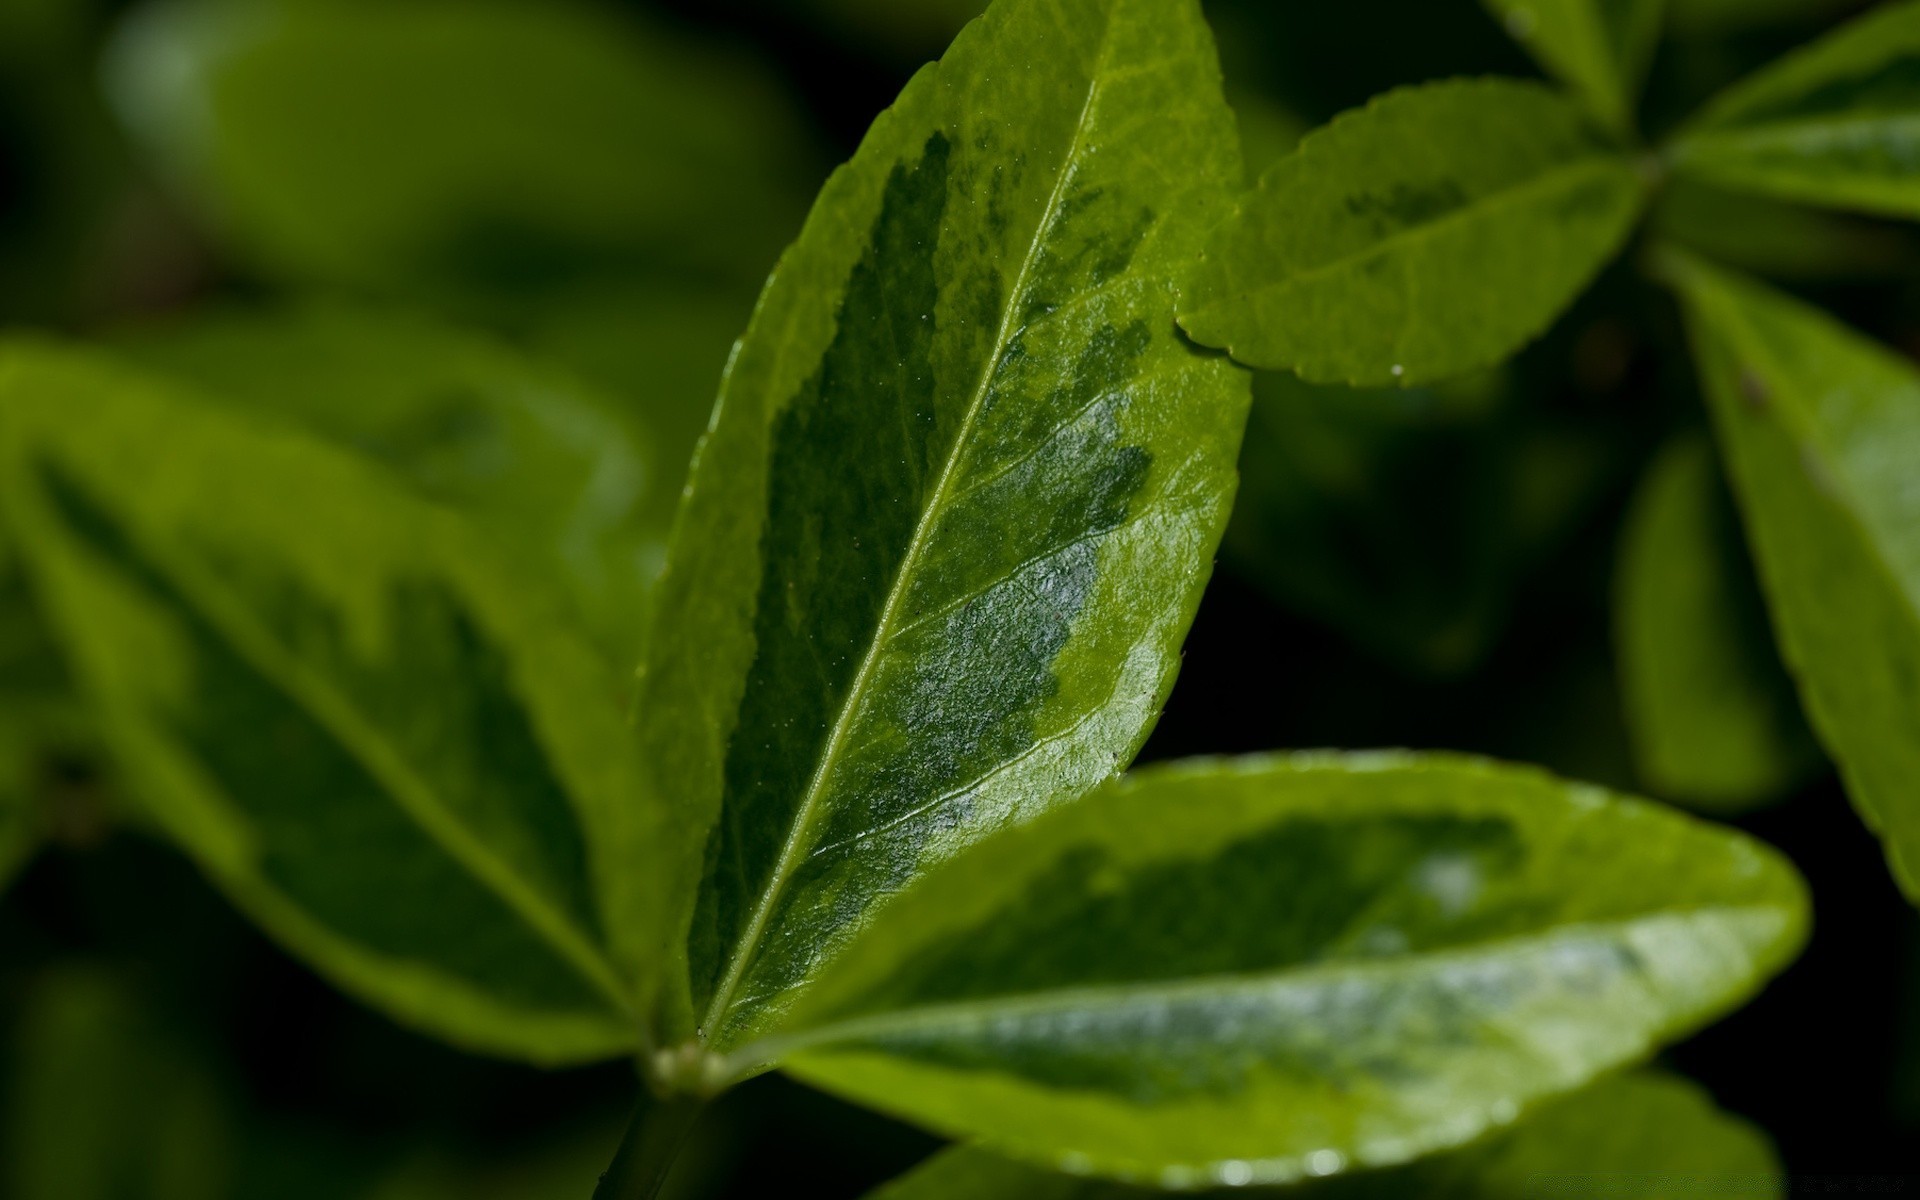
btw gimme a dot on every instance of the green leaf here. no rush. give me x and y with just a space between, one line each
1820 430
962 491
102 1103
387 749
1655 1134
1434 231
1775 238
459 147
1599 48
1711 710
547 465
1717 18
1835 123
1262 969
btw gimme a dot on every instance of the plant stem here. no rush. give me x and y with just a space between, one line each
648 1151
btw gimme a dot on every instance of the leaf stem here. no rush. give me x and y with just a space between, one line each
653 1142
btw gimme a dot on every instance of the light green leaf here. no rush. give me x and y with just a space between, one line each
101 1103
1711 711
1599 48
962 491
1656 1134
1263 969
387 749
1432 232
546 464
1820 430
459 147
1835 123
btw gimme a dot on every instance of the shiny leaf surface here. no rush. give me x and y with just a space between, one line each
1599 48
1820 429
1835 123
1711 710
1263 969
1434 231
962 490
1657 1135
484 148
542 462
385 748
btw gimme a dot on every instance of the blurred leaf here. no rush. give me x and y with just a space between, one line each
932 575
1720 17
455 147
104 1105
1712 712
1820 429
384 748
1435 231
548 465
1261 969
1783 240
1268 131
1599 48
1652 1133
1836 122
1406 517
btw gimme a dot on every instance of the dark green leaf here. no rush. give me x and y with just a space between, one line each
1599 48
962 491
102 1104
383 746
1820 429
1711 710
1834 123
1717 18
457 147
1787 241
1657 1135
547 465
1263 969
1434 231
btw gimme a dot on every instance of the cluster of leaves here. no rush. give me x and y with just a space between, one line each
349 596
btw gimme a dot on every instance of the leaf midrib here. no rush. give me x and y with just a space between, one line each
793 849
416 797
1128 994
1479 208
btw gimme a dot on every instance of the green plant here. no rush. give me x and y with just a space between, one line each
922 600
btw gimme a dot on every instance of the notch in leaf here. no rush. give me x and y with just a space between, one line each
1434 231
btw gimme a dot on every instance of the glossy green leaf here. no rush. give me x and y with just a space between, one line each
962 491
1712 712
1655 1134
1820 430
1434 231
544 463
1835 123
384 745
1263 969
1600 48
457 147
102 1103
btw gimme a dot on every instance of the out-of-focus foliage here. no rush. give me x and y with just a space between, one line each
1713 714
379 739
1599 47
489 148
